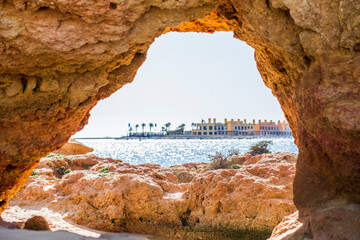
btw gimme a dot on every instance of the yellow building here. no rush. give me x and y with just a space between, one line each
240 127
211 128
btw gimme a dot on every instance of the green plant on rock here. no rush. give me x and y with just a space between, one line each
102 174
260 148
33 174
237 166
63 170
104 170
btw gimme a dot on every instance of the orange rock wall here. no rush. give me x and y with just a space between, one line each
224 204
59 58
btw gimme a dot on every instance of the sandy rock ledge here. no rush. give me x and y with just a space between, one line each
110 195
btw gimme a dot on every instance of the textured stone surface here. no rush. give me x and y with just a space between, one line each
290 228
59 58
73 147
110 195
37 223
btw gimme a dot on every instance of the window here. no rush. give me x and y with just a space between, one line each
210 133
205 133
205 128
215 133
199 127
210 127
222 128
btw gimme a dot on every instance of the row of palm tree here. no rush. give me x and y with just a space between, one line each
164 129
151 125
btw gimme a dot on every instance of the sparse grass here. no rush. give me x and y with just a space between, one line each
260 148
102 174
104 170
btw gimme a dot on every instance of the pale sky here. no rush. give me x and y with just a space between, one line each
187 77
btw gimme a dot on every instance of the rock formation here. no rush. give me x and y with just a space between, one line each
58 58
37 223
73 147
290 228
111 195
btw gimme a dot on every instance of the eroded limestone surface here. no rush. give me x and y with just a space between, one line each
58 58
110 195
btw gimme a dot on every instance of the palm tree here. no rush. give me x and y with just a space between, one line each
193 125
136 127
143 126
180 128
151 125
202 121
163 130
167 126
130 130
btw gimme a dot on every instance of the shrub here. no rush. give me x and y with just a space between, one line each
233 152
218 161
260 148
104 170
237 166
63 171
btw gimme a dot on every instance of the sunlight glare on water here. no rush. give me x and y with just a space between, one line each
168 152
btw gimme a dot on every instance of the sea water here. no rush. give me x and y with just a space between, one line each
168 152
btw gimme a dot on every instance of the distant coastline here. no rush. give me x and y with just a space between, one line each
184 137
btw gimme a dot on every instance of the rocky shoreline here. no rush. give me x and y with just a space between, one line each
187 201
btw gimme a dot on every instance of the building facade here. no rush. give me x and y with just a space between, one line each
211 128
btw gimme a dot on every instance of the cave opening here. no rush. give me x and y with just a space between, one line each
186 78
58 60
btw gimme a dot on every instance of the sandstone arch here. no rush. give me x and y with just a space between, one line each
58 58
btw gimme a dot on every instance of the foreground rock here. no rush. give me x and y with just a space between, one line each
37 223
290 228
73 147
110 195
333 225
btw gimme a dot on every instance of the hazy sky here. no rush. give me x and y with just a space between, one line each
185 78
